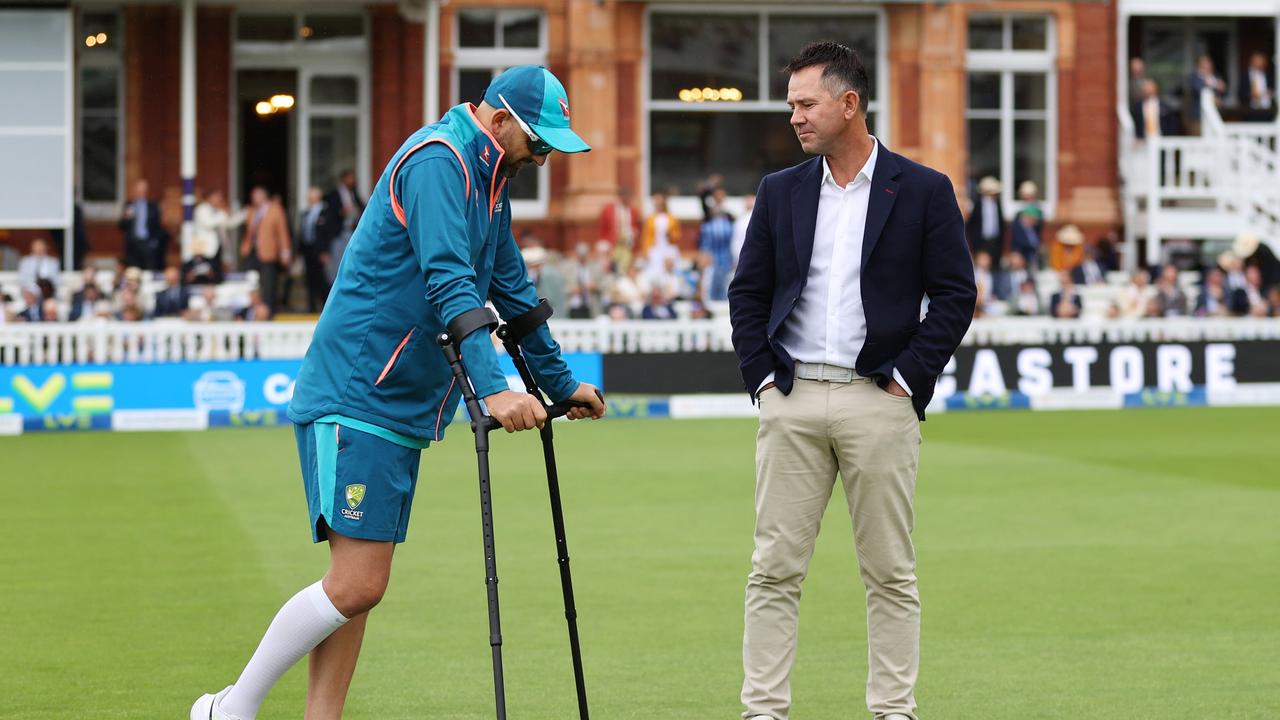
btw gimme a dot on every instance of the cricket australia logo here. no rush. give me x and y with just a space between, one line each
484 156
355 496
564 107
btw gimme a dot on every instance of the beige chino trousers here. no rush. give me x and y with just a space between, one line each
872 439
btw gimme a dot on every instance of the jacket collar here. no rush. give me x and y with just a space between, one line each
482 151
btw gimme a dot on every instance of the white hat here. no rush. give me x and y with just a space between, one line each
1028 187
1246 245
989 186
1070 235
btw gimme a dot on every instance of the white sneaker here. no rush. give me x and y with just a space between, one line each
206 707
896 716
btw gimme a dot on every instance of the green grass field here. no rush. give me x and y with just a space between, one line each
1073 565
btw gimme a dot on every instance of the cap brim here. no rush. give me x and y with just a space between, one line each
564 140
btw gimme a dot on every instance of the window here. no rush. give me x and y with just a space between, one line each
275 31
99 98
486 42
717 103
1011 113
333 115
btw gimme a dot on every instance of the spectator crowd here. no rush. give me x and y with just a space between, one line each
643 263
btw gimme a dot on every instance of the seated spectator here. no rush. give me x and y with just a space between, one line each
1068 251
586 279
131 313
659 306
1028 229
38 265
49 310
1089 271
545 275
669 279
30 305
1011 278
1066 302
172 300
1133 302
1154 309
626 290
210 310
1105 252
1173 301
698 311
618 311
85 302
1027 300
128 298
984 281
1214 299
1254 294
1273 299
257 310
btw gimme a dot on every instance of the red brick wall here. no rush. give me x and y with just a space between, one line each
213 99
396 75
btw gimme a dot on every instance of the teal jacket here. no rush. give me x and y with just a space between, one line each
434 242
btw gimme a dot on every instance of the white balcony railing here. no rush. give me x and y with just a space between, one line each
177 341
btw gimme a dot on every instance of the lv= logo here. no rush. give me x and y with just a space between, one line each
41 397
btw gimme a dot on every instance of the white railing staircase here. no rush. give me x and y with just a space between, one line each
1211 186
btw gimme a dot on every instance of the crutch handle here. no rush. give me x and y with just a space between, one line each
554 411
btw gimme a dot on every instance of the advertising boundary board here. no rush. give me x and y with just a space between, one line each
196 396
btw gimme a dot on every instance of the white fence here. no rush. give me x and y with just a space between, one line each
177 341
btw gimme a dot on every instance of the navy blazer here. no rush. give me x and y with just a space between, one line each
913 245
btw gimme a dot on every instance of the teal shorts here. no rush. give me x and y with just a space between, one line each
359 478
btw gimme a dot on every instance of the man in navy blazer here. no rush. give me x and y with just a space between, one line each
826 307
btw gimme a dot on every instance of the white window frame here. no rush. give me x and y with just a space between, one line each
112 58
308 61
689 207
1007 63
495 60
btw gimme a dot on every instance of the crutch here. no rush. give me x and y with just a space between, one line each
481 424
511 334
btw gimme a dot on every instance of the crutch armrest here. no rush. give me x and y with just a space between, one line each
521 325
470 321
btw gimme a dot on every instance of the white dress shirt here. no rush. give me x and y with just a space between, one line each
1260 95
829 324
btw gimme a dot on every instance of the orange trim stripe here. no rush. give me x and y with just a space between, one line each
394 355
395 202
440 414
493 195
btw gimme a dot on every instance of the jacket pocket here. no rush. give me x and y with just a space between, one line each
401 349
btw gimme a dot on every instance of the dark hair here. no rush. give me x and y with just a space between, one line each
842 69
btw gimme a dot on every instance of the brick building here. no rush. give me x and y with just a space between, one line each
1018 89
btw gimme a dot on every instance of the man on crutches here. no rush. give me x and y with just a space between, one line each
375 389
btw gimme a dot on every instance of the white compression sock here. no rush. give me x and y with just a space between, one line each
307 619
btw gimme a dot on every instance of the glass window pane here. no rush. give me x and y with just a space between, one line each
1030 33
104 28
98 88
43 159
789 34
99 157
332 27
472 84
333 148
521 29
334 90
717 51
984 91
689 146
1029 149
34 37
986 33
34 98
477 28
525 185
265 28
1029 91
984 148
